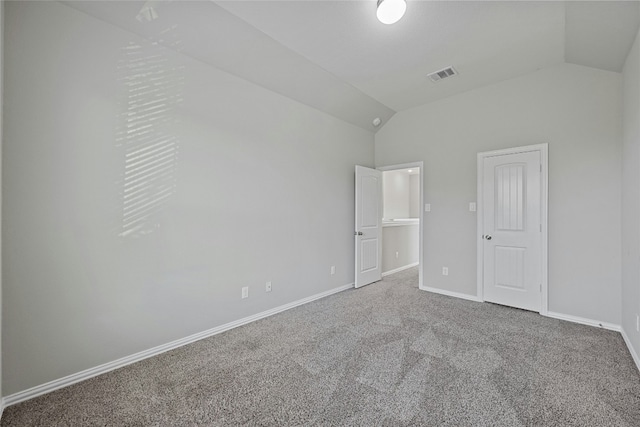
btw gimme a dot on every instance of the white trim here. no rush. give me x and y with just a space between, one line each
127 360
451 293
400 166
627 341
2 73
421 237
544 217
399 269
583 321
400 222
479 228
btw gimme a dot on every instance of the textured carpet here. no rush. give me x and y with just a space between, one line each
384 355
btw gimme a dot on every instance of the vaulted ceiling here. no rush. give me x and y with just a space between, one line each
336 57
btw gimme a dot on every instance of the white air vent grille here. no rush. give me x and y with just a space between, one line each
436 76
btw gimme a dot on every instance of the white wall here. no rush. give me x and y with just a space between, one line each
631 196
577 110
263 191
395 194
401 194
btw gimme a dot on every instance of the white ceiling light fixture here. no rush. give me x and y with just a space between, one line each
390 11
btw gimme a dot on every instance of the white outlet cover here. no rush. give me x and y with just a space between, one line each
472 206
427 207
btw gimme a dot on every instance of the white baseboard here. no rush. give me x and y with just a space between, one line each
583 321
451 294
127 360
627 341
397 270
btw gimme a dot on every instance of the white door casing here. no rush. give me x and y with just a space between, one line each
512 227
368 226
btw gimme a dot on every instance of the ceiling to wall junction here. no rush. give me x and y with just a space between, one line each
336 57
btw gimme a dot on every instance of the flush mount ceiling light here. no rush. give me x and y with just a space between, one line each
390 11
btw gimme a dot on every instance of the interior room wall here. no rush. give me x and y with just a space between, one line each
631 197
414 196
255 187
577 111
400 246
395 194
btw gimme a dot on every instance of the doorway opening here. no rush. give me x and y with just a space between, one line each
402 218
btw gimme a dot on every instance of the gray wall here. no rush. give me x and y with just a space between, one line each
403 239
414 196
631 196
253 169
577 110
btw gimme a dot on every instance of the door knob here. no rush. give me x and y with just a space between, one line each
488 237
358 233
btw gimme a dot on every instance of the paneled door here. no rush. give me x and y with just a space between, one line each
512 230
368 230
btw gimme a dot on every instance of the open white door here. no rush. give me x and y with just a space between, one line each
368 232
512 229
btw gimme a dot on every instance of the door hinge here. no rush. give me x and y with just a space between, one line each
540 287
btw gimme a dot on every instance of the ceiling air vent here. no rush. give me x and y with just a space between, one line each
442 74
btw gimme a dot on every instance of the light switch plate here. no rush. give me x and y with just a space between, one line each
427 207
472 206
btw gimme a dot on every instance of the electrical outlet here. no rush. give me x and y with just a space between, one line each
472 206
397 253
445 271
427 207
333 270
245 292
267 287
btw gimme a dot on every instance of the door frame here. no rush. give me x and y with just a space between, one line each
543 149
421 225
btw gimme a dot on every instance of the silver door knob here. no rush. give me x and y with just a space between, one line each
488 237
358 233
